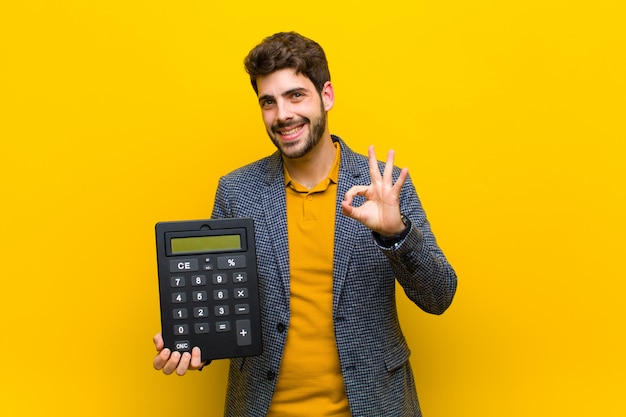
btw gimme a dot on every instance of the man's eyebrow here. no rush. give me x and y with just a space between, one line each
284 94
294 90
265 97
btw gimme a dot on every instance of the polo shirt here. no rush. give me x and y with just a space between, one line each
310 380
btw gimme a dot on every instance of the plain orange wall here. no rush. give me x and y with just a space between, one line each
510 115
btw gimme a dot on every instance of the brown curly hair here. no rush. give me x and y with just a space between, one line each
288 50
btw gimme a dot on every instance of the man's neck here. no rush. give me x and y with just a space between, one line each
312 168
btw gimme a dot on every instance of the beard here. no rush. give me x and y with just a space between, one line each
298 149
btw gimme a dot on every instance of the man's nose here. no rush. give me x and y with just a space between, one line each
284 111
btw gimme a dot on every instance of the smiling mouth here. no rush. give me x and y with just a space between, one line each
291 131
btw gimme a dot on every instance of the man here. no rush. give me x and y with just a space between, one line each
329 249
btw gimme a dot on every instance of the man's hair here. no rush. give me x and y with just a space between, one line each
288 50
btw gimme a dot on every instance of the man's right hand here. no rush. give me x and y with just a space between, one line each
168 361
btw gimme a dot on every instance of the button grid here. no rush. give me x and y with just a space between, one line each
221 285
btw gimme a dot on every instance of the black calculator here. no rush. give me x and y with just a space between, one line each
208 287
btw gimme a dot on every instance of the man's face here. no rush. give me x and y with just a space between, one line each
293 111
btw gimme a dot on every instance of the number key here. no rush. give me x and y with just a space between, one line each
199 312
198 280
199 296
220 295
177 282
220 279
181 329
221 311
179 297
179 313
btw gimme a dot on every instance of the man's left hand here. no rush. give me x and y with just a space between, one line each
381 210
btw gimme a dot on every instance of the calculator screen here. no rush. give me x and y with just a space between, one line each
199 244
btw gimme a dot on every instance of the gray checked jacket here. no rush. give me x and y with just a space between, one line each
373 353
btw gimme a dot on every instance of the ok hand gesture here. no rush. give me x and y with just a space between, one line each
381 210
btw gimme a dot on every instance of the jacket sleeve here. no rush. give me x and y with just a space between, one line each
417 261
221 205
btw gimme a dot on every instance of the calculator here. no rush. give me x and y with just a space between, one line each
208 287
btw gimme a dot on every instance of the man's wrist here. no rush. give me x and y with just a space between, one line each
389 241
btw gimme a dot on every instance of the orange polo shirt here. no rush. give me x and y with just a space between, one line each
310 380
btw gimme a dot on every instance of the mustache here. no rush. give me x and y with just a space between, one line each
282 125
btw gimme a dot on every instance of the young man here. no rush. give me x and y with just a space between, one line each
334 230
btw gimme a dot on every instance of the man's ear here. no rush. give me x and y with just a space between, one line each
328 96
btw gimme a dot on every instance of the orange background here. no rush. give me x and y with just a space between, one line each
115 115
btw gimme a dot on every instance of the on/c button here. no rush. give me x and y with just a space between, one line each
182 346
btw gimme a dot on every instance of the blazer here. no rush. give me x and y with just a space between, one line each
373 352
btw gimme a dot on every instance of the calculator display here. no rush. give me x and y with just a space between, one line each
202 244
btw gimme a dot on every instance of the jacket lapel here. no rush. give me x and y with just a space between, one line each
344 226
275 210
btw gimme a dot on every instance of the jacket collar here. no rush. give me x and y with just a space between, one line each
348 163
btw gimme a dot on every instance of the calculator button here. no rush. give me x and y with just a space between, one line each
183 265
179 297
207 267
239 277
222 326
177 282
242 309
198 280
230 262
241 293
244 338
220 279
201 328
199 296
200 312
221 311
182 346
179 313
220 295
181 329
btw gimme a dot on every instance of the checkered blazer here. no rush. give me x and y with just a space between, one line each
373 353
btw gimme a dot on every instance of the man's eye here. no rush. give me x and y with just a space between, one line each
267 103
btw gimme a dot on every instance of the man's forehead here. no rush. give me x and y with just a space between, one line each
281 81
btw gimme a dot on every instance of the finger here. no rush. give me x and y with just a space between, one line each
388 173
161 359
347 209
158 341
196 358
354 191
172 363
183 364
401 179
373 164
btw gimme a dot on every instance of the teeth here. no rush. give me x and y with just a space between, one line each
290 132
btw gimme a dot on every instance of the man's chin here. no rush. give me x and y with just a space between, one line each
288 149
292 151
